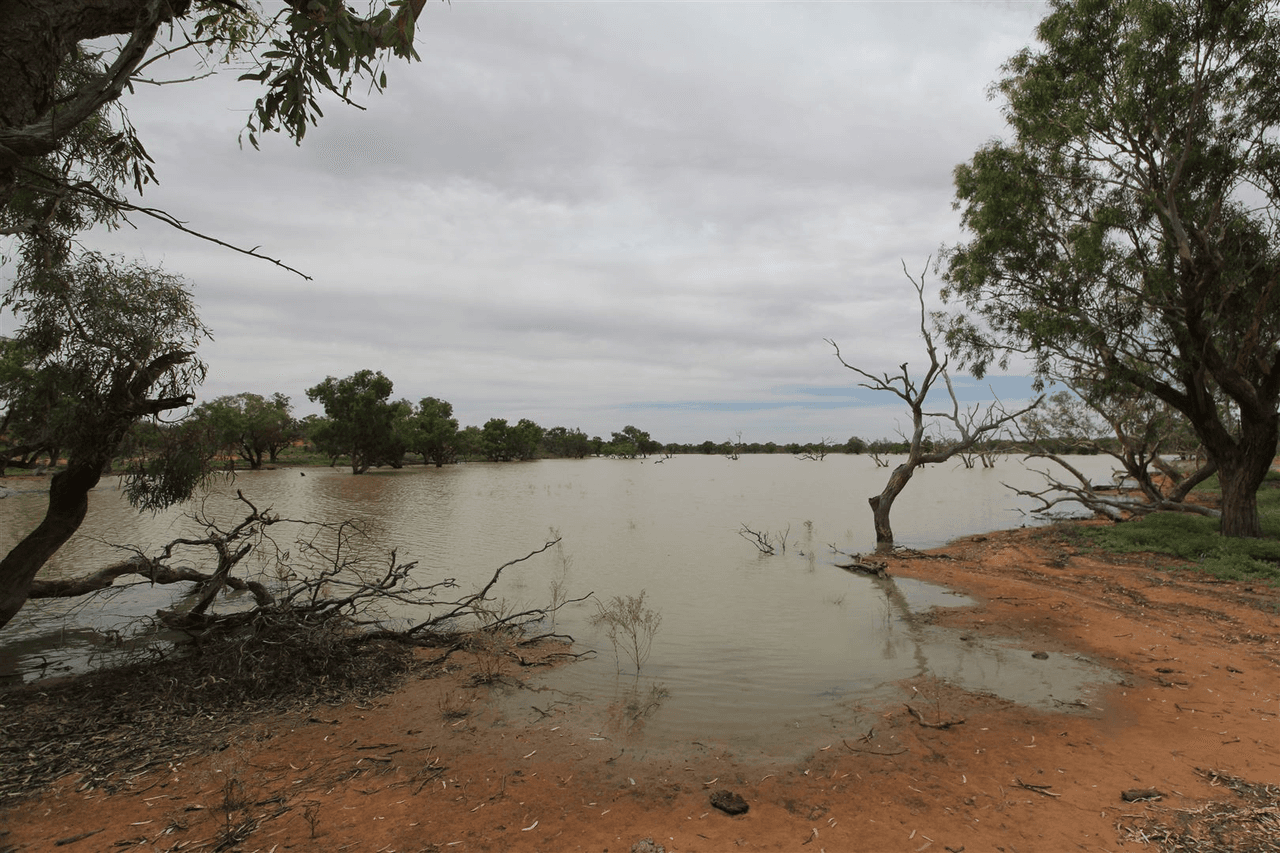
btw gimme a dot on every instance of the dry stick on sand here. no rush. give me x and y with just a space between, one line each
1043 790
942 724
874 751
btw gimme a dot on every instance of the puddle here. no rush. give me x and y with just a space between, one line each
738 700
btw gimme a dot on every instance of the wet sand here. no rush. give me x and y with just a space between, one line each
441 766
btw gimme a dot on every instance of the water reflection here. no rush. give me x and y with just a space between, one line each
750 647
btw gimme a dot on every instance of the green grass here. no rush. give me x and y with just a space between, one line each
1195 538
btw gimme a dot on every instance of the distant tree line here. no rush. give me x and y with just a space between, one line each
365 427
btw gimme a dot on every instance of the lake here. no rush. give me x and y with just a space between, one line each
759 652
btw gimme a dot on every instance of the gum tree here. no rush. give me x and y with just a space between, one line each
360 419
108 344
66 144
435 432
1126 235
249 425
101 343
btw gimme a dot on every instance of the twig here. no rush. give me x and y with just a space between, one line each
1043 790
873 751
942 724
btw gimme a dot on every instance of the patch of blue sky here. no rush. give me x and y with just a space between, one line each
968 390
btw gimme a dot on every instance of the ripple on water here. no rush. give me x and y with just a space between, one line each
751 647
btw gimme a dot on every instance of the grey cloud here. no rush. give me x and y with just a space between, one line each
567 209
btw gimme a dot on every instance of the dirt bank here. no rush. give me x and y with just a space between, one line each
434 768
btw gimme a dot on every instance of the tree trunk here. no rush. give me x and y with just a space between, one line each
68 503
1240 476
1242 466
1240 509
882 504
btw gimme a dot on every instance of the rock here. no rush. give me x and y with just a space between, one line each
729 802
1040 655
1135 795
646 845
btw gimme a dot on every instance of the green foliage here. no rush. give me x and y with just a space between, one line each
566 443
360 421
102 152
1195 538
501 442
495 440
324 46
525 439
169 467
77 148
631 442
249 425
95 339
435 432
470 441
1126 234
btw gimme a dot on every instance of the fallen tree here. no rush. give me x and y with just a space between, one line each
1133 428
335 573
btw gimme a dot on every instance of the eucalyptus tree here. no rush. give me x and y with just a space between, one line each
66 143
107 344
1128 234
495 440
435 432
566 443
631 441
525 439
249 425
360 419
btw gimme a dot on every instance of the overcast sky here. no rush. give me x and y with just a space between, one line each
595 214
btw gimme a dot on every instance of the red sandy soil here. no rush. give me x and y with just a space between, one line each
436 767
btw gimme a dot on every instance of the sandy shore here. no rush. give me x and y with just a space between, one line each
436 767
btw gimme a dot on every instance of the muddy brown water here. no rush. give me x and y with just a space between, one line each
758 652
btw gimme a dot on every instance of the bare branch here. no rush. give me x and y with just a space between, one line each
971 426
173 222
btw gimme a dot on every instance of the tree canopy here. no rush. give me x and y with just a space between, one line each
249 425
101 345
435 432
361 418
1127 234
66 144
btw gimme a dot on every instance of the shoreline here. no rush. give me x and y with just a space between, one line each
433 766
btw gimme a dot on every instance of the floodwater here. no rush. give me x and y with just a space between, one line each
757 652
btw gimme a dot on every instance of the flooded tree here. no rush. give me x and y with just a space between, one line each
434 432
101 345
360 418
966 427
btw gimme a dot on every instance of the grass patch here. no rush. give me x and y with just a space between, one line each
1196 539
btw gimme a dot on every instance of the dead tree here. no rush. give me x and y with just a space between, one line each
1142 430
333 572
968 426
816 452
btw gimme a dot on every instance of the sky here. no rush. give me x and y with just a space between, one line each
594 214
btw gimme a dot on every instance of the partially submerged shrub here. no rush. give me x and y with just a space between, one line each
629 625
